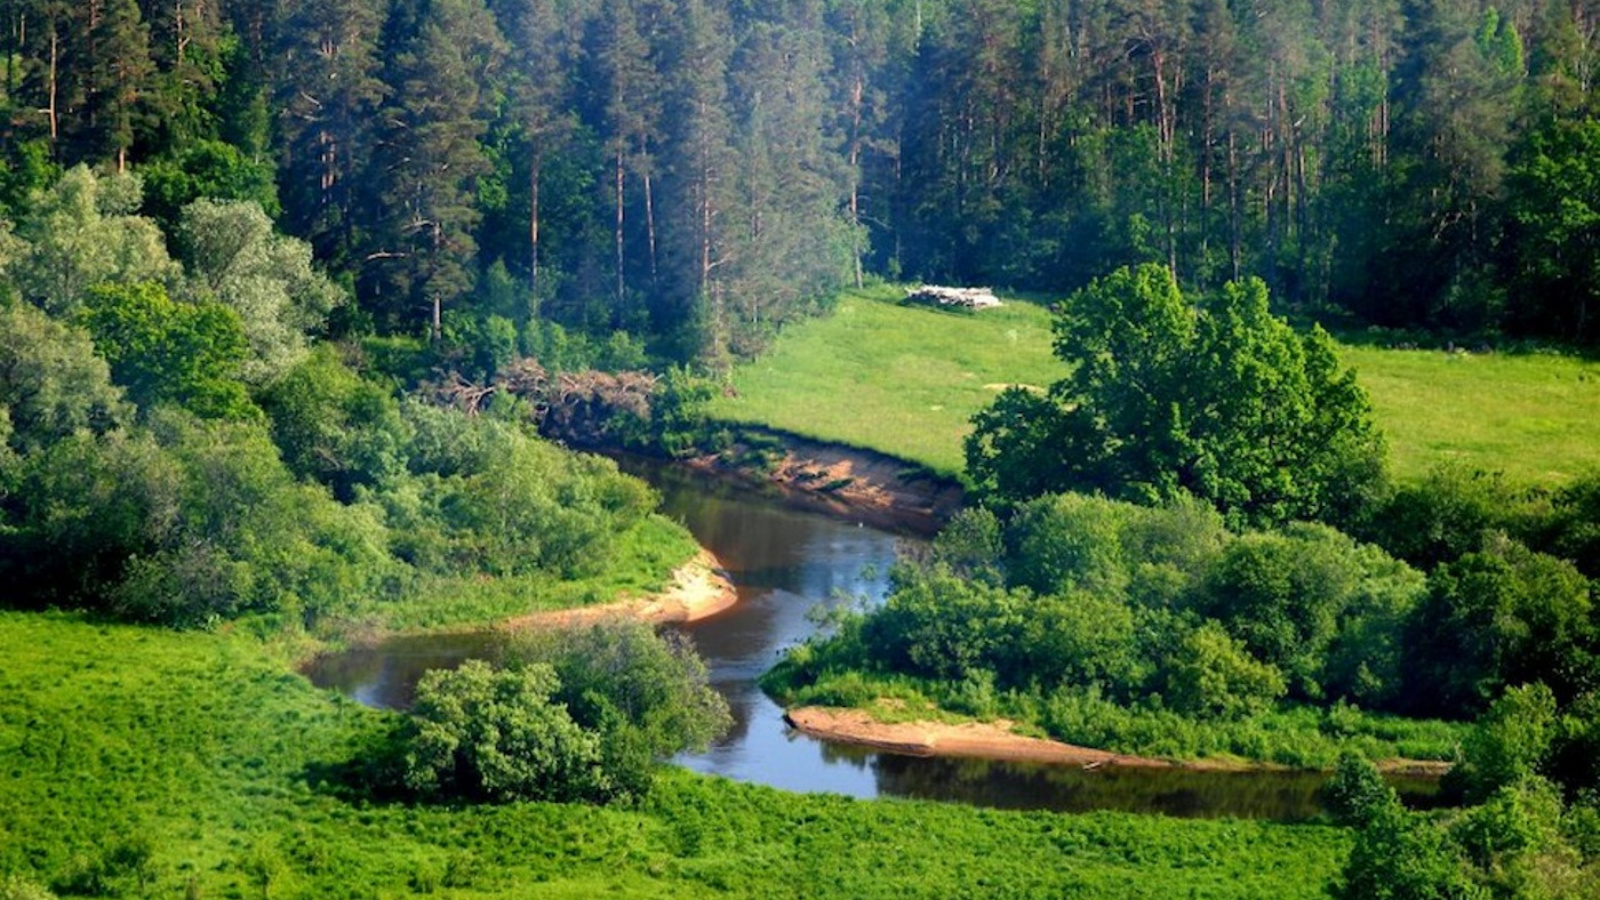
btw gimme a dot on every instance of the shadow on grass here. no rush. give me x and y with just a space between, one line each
373 773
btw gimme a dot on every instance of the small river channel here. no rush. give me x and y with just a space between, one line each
785 562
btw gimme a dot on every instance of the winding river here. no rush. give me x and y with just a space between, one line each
784 563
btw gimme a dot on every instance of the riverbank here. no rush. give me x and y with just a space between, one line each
850 483
996 741
193 755
698 589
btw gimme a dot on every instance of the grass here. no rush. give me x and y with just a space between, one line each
642 563
1535 418
204 751
905 380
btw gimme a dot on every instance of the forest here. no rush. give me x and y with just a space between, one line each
697 173
294 294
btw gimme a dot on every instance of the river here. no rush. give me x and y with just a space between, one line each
784 563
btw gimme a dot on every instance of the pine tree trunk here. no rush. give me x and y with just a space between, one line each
621 285
856 91
533 228
55 57
650 224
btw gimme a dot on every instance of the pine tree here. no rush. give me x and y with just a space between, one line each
328 92
424 178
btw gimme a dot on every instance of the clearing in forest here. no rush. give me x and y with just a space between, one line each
904 379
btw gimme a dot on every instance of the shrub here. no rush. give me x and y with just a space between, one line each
497 735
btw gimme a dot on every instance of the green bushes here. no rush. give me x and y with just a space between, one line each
497 735
1165 396
185 522
582 715
1142 629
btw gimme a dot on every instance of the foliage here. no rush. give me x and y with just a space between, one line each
235 768
645 695
167 351
1327 611
234 256
52 385
497 735
1224 402
334 427
1399 856
1356 795
82 232
210 170
1445 515
1497 618
1212 676
1147 630
1401 164
1508 744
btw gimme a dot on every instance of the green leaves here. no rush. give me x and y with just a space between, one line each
163 350
1223 401
582 715
487 734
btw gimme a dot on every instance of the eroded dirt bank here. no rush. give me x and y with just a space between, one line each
851 483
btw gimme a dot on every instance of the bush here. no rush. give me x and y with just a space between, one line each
1214 676
1356 794
497 735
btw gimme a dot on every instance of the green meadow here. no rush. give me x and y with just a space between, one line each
1533 417
905 379
893 377
140 762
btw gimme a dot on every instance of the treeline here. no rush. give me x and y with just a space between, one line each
176 448
666 169
697 172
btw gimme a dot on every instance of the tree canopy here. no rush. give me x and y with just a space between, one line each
1219 399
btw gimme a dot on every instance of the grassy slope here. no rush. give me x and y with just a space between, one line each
1536 418
900 379
905 380
205 745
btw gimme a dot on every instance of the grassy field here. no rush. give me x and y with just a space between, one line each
137 762
901 379
1535 418
905 379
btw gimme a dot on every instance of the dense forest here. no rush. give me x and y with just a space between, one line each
1187 546
696 173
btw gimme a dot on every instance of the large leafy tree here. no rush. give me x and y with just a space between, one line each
1222 400
162 350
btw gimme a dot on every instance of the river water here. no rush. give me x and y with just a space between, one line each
785 563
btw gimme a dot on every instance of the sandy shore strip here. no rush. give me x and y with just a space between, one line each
996 741
978 740
699 588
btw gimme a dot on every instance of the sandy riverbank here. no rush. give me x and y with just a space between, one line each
996 741
698 589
